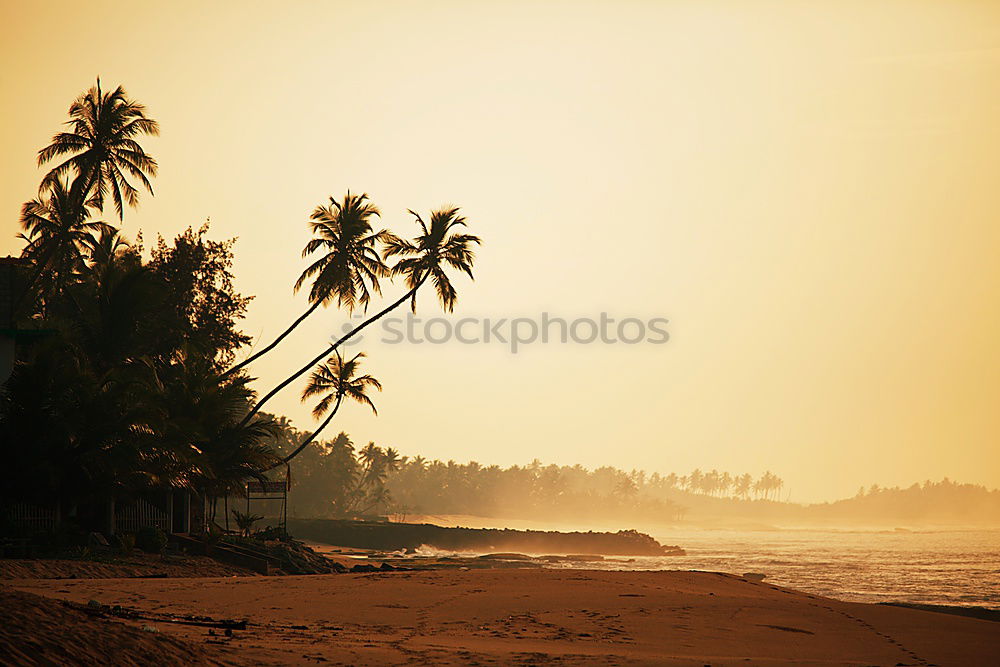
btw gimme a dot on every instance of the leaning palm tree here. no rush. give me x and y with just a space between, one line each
336 380
58 231
430 252
103 128
427 256
350 263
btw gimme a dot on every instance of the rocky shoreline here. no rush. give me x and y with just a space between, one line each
407 537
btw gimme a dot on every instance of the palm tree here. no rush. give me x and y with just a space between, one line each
336 380
105 250
233 453
393 462
116 314
200 427
57 231
351 260
725 483
429 254
425 257
370 487
711 482
102 141
743 485
696 480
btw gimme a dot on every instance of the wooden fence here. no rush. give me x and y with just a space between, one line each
130 517
32 517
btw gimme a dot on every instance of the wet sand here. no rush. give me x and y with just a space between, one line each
500 617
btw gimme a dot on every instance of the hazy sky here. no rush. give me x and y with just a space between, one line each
807 191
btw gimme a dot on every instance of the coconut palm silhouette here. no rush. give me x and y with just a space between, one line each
336 380
102 139
350 263
435 249
58 233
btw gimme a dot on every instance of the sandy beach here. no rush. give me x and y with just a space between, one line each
489 617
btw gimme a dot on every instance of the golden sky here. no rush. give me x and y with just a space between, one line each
809 192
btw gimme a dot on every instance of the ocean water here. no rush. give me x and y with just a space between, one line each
945 567
930 567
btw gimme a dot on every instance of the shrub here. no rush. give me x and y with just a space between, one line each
151 539
271 533
212 536
246 521
126 543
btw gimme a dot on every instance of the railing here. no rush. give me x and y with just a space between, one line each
132 516
32 517
268 487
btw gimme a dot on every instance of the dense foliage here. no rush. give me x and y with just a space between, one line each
124 378
121 391
334 478
117 387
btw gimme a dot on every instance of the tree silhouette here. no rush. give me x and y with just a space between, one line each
430 252
105 250
696 480
203 423
102 141
349 264
336 380
203 308
743 485
58 234
122 391
428 255
370 488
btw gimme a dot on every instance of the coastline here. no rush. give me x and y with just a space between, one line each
407 537
520 616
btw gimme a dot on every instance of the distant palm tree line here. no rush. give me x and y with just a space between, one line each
714 483
334 480
128 381
437 486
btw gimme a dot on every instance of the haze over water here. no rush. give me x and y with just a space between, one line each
951 567
926 566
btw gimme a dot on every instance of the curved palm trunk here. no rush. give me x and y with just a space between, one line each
273 345
312 436
318 358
